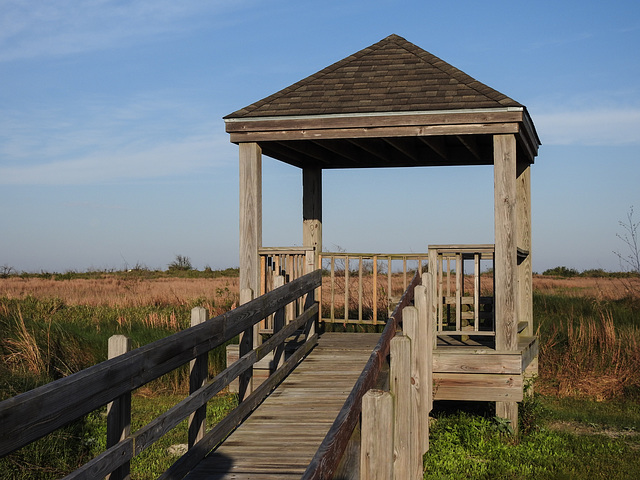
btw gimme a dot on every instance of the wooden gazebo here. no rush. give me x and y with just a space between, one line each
395 105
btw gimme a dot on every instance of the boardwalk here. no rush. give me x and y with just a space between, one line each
281 437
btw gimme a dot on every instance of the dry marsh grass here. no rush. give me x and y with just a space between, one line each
599 288
122 293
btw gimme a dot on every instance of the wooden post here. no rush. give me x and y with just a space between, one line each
312 209
119 411
505 294
404 466
423 352
410 330
376 450
198 373
431 339
250 215
523 219
245 380
505 237
278 324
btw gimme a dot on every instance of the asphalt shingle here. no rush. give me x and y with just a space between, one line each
392 75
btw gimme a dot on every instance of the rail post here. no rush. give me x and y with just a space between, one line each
376 450
425 359
405 466
119 411
278 324
419 421
245 380
198 372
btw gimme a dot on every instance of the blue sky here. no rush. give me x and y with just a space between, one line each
113 151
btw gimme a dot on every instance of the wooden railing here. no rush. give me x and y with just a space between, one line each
31 415
281 265
327 459
364 288
463 303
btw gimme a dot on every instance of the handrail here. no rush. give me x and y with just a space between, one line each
327 457
33 414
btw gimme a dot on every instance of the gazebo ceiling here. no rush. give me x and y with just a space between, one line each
389 105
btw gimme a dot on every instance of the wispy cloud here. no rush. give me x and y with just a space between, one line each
45 28
557 40
606 126
88 142
188 156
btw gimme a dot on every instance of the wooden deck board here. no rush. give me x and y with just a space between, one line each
281 437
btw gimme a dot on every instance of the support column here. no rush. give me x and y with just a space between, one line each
506 267
250 242
523 219
504 157
312 211
250 218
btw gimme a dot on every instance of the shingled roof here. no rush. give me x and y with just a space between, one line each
392 75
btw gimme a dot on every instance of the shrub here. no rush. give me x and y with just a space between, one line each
181 263
561 272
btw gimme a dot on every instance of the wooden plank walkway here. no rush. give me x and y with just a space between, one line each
281 437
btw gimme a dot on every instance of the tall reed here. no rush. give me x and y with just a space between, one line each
589 353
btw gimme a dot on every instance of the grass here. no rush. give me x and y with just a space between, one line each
475 446
588 346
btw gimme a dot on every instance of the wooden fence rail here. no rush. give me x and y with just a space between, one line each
33 414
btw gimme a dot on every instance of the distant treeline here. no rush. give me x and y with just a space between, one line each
593 272
137 272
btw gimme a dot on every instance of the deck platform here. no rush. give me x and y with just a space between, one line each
281 437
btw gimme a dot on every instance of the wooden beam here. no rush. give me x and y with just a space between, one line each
478 387
340 149
375 149
282 151
437 145
250 217
403 147
376 132
470 143
311 122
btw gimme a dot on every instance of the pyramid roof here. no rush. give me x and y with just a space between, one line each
393 75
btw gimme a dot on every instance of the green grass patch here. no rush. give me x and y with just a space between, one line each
476 447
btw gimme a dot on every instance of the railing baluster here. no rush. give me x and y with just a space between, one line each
360 289
346 289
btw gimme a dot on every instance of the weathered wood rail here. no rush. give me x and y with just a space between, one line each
33 414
